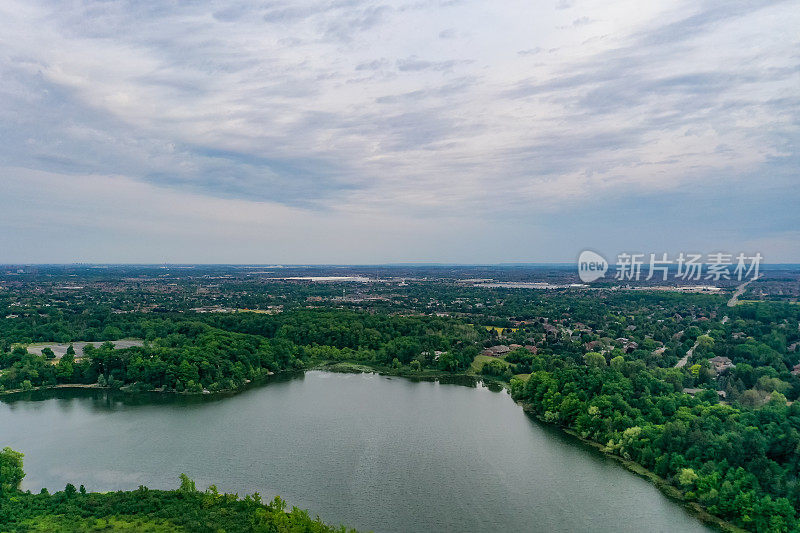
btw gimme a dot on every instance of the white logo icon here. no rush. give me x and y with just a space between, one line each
591 266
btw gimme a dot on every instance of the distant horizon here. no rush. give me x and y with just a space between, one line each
365 265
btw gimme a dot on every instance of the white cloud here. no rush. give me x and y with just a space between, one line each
403 111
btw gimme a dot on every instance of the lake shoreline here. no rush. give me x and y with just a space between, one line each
346 367
341 367
669 490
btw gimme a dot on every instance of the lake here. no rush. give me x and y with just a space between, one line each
369 451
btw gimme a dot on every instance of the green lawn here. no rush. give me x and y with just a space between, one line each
481 360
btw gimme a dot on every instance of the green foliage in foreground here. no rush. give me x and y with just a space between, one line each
153 510
71 524
185 509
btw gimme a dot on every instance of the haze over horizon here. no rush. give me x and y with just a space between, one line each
369 132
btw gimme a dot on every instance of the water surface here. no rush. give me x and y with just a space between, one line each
372 452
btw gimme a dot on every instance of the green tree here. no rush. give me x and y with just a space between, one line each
187 484
65 367
705 343
776 398
495 367
594 359
11 472
111 333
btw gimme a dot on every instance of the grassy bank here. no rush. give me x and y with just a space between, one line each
349 367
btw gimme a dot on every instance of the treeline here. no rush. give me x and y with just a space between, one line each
185 509
223 352
741 464
88 315
191 357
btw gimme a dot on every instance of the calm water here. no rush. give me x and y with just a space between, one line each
368 451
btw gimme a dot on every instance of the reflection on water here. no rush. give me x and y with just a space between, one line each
374 452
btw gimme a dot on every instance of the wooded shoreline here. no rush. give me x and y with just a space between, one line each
670 491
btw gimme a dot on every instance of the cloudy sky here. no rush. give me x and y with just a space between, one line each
358 131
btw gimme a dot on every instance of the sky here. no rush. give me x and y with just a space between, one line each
358 131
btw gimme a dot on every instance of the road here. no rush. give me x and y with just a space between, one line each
689 352
739 291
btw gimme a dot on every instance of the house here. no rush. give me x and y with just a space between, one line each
796 370
721 364
721 393
582 328
532 349
627 345
497 351
592 346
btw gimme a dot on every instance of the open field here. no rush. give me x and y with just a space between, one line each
499 330
481 360
61 348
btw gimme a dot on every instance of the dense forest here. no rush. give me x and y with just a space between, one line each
738 457
223 352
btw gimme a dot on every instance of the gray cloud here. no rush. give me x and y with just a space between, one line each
357 106
412 64
373 65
